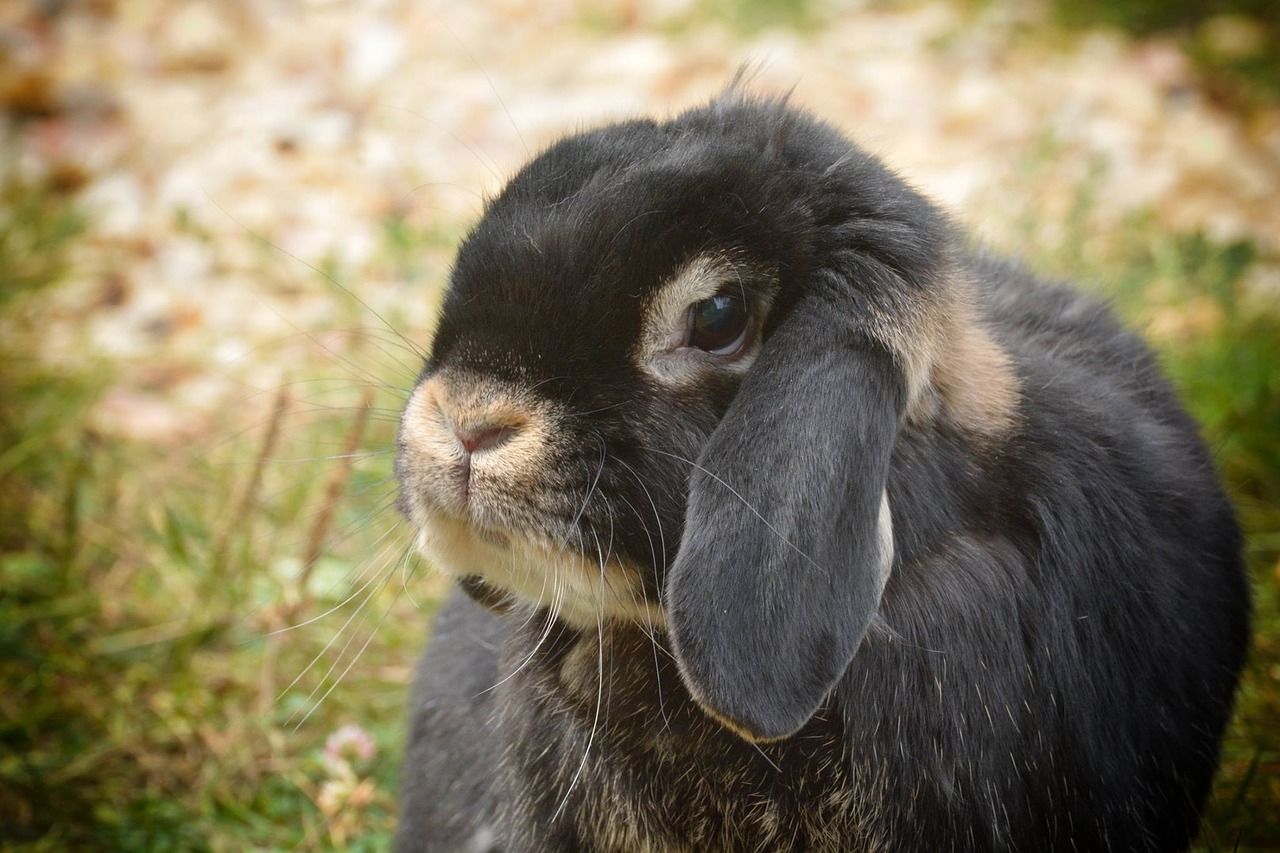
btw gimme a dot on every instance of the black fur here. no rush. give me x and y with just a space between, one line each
1052 662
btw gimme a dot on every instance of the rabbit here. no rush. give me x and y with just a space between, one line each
784 518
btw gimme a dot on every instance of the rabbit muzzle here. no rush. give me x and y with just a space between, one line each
479 463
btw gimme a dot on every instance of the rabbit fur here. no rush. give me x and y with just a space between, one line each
933 561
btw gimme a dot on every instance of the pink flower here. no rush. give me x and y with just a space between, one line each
348 744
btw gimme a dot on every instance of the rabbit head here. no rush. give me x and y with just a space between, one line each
666 383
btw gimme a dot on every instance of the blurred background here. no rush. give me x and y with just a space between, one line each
224 227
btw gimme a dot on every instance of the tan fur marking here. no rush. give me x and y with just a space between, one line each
580 670
664 322
976 381
953 367
732 725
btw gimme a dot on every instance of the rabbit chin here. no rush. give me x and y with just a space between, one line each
576 588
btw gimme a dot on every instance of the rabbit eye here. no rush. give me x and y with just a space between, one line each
718 325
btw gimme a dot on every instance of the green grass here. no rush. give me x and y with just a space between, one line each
743 17
752 16
147 703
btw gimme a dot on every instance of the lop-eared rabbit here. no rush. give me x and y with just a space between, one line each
788 521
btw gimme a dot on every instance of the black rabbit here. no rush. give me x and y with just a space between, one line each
791 522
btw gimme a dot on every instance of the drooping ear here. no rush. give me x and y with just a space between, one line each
788 539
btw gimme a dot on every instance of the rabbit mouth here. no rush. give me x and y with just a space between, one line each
581 589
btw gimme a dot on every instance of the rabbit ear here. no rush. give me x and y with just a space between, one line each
788 539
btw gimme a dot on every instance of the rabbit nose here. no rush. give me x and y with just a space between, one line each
482 437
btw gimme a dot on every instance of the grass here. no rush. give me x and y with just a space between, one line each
148 702
743 17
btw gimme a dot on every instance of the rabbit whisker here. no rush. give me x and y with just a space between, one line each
587 500
487 162
389 361
346 600
650 633
378 413
657 518
606 587
604 559
617 234
479 67
328 385
407 568
354 661
369 488
542 382
766 757
364 454
297 414
552 615
356 524
351 528
369 596
354 527
608 408
346 531
404 199
396 342
595 723
323 275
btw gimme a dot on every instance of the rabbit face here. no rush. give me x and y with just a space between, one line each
667 379
596 328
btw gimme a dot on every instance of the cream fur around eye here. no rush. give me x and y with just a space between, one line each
662 352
